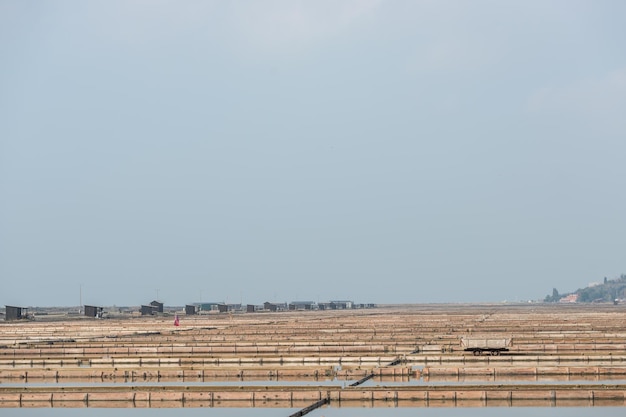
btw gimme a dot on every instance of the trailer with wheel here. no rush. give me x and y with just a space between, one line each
487 345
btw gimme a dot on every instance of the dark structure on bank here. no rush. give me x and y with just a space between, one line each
147 310
14 313
94 311
158 306
154 307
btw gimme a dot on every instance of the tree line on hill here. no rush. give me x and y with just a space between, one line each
608 291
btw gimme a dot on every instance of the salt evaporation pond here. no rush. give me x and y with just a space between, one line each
322 412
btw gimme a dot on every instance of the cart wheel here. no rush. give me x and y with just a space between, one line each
477 353
495 352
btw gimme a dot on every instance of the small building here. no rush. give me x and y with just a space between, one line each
14 313
190 310
301 305
209 306
250 308
225 308
275 306
158 306
341 305
94 311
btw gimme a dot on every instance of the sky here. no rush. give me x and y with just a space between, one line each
252 151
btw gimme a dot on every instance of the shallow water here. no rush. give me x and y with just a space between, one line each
469 412
322 412
236 383
482 381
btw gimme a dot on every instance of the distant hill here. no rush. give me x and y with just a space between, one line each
609 290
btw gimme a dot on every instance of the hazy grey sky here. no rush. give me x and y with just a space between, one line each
379 151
